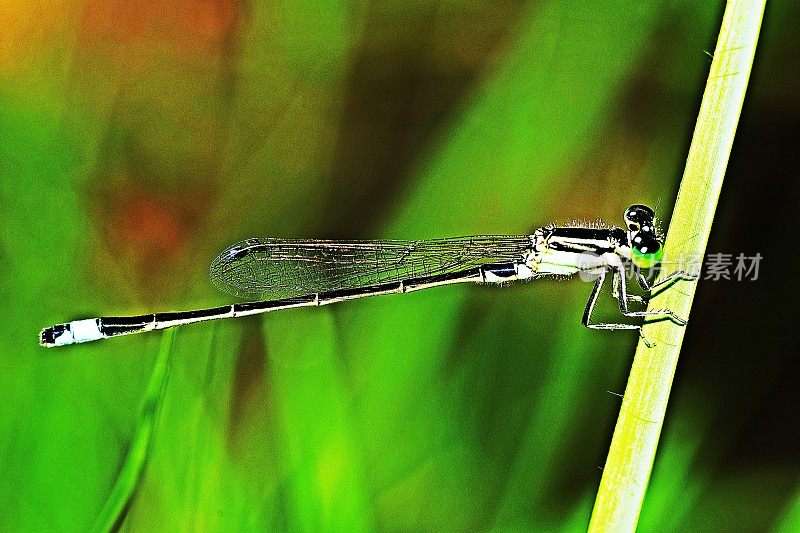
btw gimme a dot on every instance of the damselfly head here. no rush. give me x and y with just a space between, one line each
646 248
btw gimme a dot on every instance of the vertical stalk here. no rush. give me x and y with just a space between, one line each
633 447
130 475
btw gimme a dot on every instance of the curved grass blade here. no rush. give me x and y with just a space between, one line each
132 469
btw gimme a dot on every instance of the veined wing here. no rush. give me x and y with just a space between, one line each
284 268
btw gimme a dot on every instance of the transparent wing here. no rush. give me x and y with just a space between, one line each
278 268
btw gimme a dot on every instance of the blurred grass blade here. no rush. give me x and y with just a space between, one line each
133 467
641 417
790 517
325 484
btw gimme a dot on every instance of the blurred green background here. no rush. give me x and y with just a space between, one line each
138 139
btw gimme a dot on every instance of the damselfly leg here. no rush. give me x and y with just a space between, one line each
620 293
623 303
663 283
587 312
631 297
653 289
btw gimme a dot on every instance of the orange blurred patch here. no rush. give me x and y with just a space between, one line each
148 225
194 27
148 233
30 29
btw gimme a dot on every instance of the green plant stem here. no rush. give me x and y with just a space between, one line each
633 447
133 468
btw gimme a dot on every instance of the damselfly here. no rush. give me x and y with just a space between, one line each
279 274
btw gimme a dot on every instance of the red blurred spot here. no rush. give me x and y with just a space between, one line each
212 19
194 27
148 232
146 224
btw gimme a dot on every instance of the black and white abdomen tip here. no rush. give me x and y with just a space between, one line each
71 333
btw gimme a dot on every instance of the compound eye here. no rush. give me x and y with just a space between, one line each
646 253
637 216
